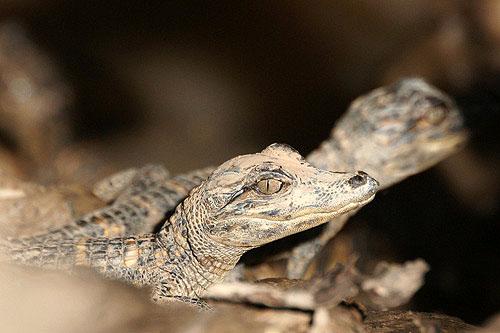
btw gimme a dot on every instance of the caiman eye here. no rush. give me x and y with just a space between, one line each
435 115
269 186
437 111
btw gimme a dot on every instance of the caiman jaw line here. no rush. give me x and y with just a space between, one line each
311 215
330 215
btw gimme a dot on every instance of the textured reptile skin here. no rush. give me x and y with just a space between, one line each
248 201
392 133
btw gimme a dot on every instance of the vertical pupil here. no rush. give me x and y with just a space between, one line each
269 186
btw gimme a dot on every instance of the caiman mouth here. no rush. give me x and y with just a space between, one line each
341 209
447 143
281 228
307 216
303 222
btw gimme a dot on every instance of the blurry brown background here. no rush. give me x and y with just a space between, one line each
191 84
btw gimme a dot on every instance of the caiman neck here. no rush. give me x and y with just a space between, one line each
207 261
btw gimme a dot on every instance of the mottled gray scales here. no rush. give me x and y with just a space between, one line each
109 188
138 207
391 133
208 232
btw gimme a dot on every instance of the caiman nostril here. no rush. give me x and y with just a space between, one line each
358 180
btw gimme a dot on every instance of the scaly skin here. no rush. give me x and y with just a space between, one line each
142 197
109 188
248 201
392 133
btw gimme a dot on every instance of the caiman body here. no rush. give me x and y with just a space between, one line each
248 201
391 133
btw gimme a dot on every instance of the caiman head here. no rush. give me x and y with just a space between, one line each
254 199
396 131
